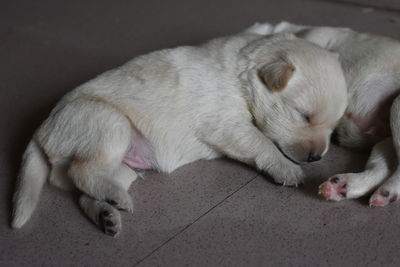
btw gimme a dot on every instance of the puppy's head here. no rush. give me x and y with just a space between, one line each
297 95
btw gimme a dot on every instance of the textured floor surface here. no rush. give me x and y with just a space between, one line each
216 213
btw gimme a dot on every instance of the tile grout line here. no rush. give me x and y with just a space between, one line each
198 218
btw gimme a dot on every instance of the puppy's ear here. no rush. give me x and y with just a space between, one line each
276 74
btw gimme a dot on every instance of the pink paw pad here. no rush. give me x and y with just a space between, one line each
333 189
382 198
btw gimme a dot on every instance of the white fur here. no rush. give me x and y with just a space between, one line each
192 103
372 69
32 176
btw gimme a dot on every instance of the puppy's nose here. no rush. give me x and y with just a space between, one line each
313 157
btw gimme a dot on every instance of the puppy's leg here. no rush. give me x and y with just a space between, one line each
95 166
244 142
59 175
125 176
354 185
390 190
104 214
95 179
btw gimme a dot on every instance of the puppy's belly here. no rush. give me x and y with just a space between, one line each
140 154
374 125
369 108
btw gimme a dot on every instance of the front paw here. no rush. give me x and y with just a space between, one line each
287 174
334 189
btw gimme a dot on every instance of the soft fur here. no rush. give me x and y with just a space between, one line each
372 120
268 101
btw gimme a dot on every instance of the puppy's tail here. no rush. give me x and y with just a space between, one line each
32 176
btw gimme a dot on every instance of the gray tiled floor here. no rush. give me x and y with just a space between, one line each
204 214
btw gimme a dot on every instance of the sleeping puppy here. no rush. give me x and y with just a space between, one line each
372 120
272 102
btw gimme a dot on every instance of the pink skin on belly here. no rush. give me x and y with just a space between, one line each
372 125
140 154
376 122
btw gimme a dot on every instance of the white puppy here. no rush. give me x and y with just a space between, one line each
372 69
267 101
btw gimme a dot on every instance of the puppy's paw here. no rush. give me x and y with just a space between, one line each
287 174
121 200
334 189
382 197
102 214
109 219
348 186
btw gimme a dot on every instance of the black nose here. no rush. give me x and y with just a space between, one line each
313 157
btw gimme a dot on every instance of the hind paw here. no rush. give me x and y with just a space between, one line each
110 221
382 197
102 214
122 201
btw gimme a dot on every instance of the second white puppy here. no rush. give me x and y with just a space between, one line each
267 101
372 69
